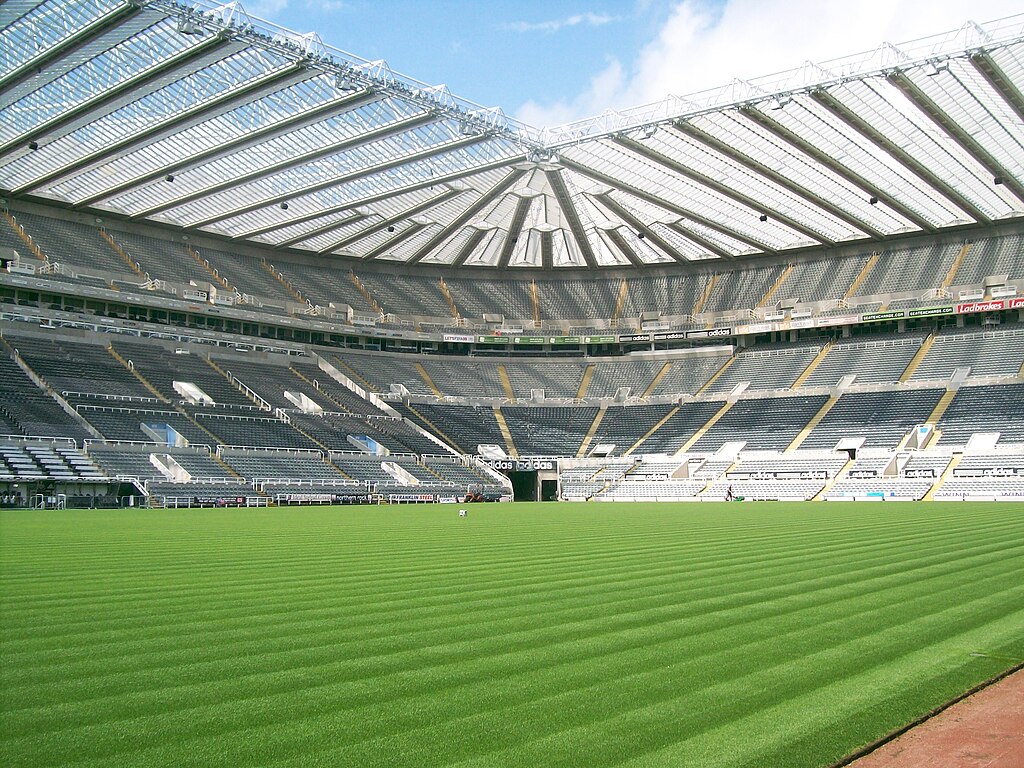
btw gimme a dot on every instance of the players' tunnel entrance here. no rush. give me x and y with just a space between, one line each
525 485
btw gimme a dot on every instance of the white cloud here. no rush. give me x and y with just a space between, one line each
702 45
264 9
589 19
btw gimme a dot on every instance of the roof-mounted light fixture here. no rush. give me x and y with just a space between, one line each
346 83
188 26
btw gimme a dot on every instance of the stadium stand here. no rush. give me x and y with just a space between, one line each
882 419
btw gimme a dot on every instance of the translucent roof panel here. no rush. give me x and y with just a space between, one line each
203 118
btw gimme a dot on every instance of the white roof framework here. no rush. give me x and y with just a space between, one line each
201 117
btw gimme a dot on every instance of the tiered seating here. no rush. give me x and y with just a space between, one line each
764 425
1001 255
465 378
987 353
379 372
772 368
365 469
635 374
62 463
797 465
451 470
742 289
549 431
162 367
894 488
685 377
245 274
233 427
339 395
665 490
870 361
406 295
27 410
77 367
670 295
467 426
208 493
909 269
270 380
576 299
117 422
680 427
202 466
256 465
821 279
982 489
73 244
326 286
125 461
561 379
625 425
162 259
882 418
984 409
475 298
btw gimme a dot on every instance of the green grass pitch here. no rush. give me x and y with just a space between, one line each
527 635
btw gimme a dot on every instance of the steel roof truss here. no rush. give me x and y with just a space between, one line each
478 205
377 226
247 141
68 45
844 113
110 100
783 181
348 206
254 91
722 189
607 201
367 137
838 168
968 143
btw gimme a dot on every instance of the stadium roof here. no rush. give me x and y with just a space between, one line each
201 117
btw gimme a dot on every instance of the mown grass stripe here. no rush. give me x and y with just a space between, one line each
356 636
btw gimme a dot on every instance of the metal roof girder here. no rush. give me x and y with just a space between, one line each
343 179
247 141
478 205
668 206
718 145
989 69
377 226
951 128
375 198
572 216
862 127
399 237
225 102
69 44
650 234
722 189
331 149
106 102
825 159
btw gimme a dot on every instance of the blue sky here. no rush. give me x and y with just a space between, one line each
558 60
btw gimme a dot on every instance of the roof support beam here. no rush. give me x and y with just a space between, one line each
69 44
321 230
100 103
825 159
844 113
370 199
266 133
337 181
785 182
400 237
1001 84
947 124
108 40
467 249
515 231
572 216
615 238
641 228
478 205
668 206
351 142
225 102
676 167
377 226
